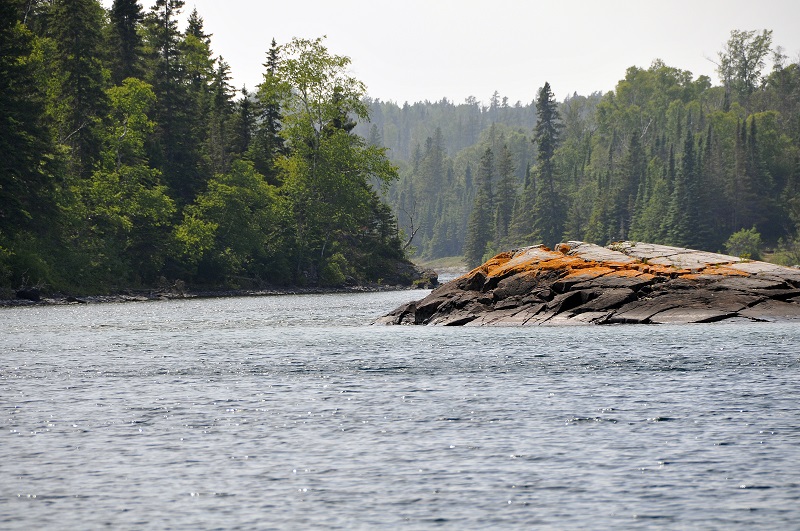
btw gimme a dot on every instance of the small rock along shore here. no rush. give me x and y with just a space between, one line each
627 282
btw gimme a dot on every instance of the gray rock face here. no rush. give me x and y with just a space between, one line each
626 282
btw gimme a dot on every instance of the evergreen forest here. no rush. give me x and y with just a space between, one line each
663 158
128 160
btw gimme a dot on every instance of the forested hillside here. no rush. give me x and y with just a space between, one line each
128 159
664 158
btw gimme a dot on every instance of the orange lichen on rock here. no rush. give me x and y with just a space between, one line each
661 270
563 248
566 263
497 262
724 271
629 273
528 260
581 283
588 273
619 265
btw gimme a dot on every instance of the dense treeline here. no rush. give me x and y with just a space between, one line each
664 158
129 160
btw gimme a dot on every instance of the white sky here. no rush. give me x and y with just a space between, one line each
416 50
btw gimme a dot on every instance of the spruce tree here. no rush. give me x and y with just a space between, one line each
505 196
220 118
24 185
682 215
549 207
479 228
243 123
267 143
76 26
126 45
522 218
174 145
632 173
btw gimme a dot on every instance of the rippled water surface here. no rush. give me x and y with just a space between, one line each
292 413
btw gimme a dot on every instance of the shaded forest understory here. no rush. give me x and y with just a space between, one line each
130 161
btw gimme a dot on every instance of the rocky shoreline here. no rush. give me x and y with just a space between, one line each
31 298
626 282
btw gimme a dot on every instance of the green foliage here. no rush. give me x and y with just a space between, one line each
787 253
127 157
479 229
745 243
327 172
742 61
25 186
229 230
125 43
334 270
664 158
80 98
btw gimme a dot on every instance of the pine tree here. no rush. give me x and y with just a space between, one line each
632 173
76 26
220 116
682 215
126 44
201 156
549 207
479 228
267 142
173 146
522 217
505 196
243 124
25 198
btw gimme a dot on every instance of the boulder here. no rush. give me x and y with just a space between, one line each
29 294
627 282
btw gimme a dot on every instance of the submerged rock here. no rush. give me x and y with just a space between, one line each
626 282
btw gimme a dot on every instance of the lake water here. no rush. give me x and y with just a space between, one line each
292 412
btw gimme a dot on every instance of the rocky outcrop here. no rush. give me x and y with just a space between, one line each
626 282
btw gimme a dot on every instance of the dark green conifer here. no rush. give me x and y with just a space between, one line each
126 44
549 207
267 141
76 26
24 183
479 228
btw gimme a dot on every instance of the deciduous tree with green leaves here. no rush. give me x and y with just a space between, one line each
327 173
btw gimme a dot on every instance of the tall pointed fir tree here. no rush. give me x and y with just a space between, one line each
267 143
220 120
682 215
520 230
81 103
126 44
200 69
25 198
243 123
631 184
505 196
549 208
479 228
171 146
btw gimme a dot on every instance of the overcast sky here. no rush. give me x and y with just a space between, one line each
416 50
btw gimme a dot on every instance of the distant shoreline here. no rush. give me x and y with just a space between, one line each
124 296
